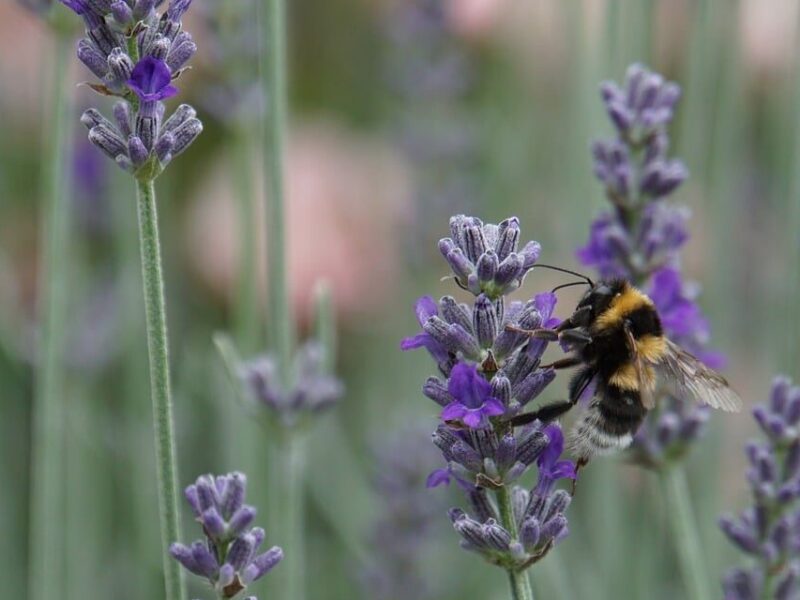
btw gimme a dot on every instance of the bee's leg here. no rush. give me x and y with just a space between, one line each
575 337
580 382
545 414
580 318
581 462
563 363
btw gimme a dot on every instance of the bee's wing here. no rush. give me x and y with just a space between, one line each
645 381
684 376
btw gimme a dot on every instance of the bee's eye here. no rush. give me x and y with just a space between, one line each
603 290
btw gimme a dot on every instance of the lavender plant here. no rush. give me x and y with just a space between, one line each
229 557
640 239
292 405
769 530
489 374
136 52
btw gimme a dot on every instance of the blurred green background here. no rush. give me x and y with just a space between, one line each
379 157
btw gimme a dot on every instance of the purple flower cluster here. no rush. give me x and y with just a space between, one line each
537 516
489 373
311 390
769 530
640 239
228 557
136 53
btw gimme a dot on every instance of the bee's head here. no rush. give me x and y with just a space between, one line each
601 294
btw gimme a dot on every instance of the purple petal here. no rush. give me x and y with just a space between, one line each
473 419
545 303
454 411
150 80
562 469
467 386
493 407
420 340
425 308
555 447
437 478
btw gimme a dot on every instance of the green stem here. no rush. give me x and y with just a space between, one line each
275 89
518 580
45 575
685 532
325 324
290 515
246 312
155 312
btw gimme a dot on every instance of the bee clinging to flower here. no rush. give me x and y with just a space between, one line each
618 344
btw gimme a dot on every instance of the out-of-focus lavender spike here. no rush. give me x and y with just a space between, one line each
311 391
769 530
219 505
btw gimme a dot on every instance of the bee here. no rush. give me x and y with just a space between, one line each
618 343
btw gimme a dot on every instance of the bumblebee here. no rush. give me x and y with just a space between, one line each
619 344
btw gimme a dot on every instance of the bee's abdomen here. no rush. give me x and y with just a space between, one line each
609 424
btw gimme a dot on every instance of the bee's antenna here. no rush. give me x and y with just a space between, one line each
565 285
581 275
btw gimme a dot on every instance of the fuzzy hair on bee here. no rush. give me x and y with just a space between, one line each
619 346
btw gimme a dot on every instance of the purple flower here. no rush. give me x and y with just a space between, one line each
607 248
473 403
229 557
491 372
769 530
139 139
79 7
311 391
151 80
425 308
641 237
550 468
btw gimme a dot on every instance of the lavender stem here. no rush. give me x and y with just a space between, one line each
684 527
248 325
518 580
45 575
289 460
155 312
275 90
288 519
325 323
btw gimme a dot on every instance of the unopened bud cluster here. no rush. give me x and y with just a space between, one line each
769 530
229 555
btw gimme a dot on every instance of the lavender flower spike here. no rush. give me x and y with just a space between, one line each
489 373
641 237
769 530
229 557
312 389
140 74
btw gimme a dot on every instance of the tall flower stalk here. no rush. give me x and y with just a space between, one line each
136 53
769 530
640 239
46 564
491 373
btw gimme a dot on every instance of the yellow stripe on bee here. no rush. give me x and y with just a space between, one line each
651 347
626 378
621 306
